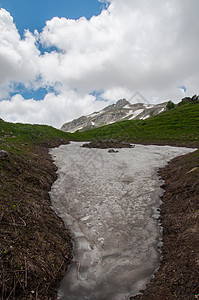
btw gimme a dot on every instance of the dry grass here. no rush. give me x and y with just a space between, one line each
35 246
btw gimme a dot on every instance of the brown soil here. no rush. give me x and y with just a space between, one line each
178 275
35 246
187 144
105 144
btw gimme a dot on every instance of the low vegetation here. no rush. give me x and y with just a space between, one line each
16 134
35 247
177 126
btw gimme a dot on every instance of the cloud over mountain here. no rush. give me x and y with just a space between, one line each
149 46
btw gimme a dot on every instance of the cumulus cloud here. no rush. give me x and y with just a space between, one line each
133 45
144 45
51 110
18 57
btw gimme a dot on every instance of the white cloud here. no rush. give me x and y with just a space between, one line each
52 110
117 93
18 58
133 45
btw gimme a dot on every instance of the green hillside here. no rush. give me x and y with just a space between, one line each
180 124
30 133
33 240
18 136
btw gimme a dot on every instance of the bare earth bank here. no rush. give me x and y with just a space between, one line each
35 246
35 255
178 275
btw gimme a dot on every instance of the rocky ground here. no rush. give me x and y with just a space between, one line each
35 247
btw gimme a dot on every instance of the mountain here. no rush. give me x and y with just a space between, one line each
177 126
121 110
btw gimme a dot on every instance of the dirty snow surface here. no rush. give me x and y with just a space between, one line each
109 201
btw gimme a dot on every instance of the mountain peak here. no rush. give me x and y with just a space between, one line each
121 110
122 103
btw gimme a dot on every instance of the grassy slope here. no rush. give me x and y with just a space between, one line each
180 125
17 134
34 243
30 170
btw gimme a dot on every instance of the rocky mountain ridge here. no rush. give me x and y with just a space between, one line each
121 110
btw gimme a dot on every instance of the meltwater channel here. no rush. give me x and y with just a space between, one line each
109 202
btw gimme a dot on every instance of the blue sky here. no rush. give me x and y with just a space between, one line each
69 66
32 14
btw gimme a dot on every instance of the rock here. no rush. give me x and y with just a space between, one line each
4 155
122 103
112 151
185 100
107 144
121 110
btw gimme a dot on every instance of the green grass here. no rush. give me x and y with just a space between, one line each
30 133
19 141
180 124
18 136
26 216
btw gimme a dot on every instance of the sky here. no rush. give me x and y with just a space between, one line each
63 59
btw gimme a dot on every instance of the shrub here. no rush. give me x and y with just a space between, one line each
170 105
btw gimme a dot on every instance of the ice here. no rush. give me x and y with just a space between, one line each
109 202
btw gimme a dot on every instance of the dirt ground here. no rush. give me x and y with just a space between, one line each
178 275
107 144
35 246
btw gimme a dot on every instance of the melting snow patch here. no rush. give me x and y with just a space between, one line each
94 114
145 117
148 106
127 106
115 236
136 113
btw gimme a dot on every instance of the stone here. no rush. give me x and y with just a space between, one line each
112 151
4 155
121 110
107 144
